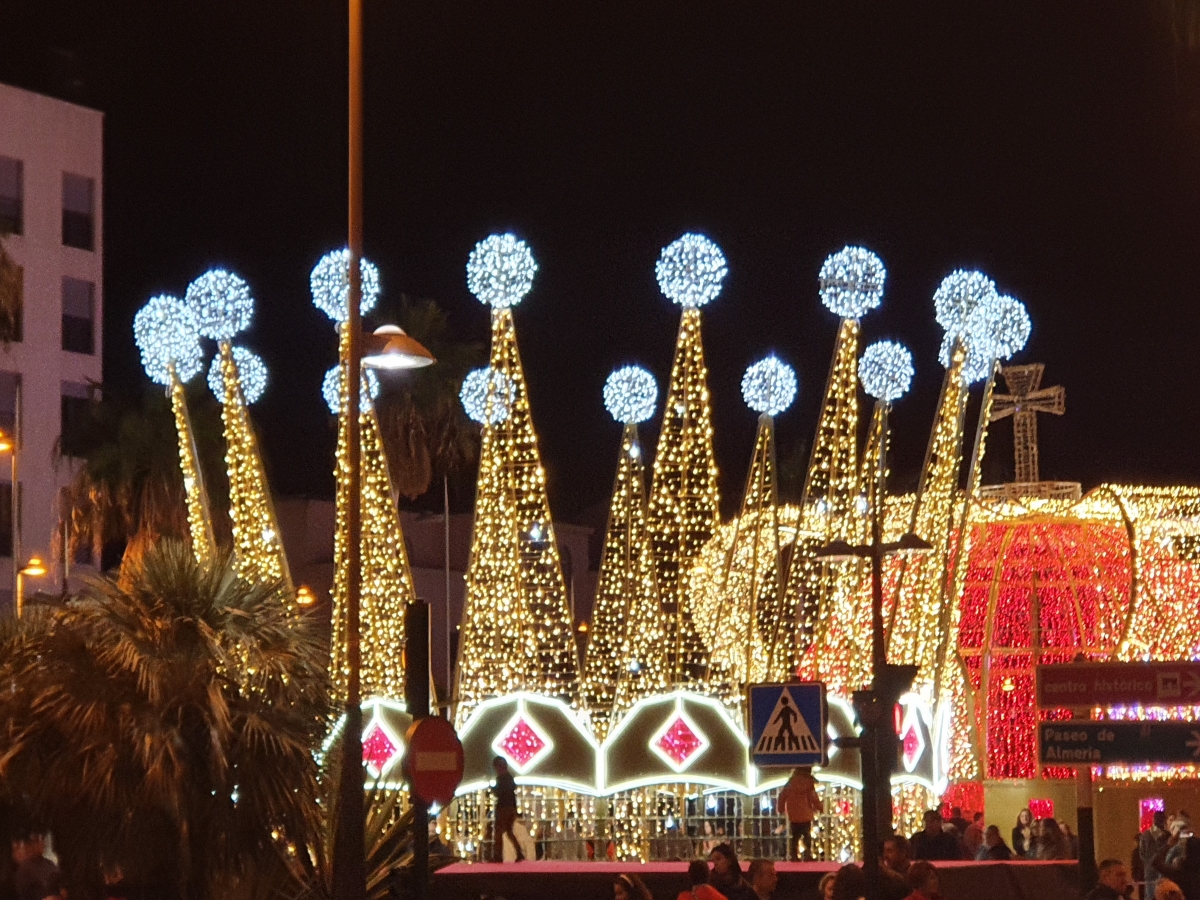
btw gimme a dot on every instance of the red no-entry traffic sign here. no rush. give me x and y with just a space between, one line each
1116 684
433 760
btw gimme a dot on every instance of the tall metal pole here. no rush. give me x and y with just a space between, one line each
416 697
446 538
349 865
18 583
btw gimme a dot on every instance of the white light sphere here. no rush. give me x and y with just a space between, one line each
957 297
221 303
886 370
487 396
851 282
329 282
769 386
165 332
630 394
331 390
978 362
690 271
1002 324
252 373
500 270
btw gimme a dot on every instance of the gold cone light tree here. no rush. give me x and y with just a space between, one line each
737 587
386 578
851 284
223 308
626 655
167 338
516 632
684 498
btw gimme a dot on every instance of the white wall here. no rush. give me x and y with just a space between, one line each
50 137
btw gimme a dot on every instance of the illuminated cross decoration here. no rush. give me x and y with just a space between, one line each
1023 402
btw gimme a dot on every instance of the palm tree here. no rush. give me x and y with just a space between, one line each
165 721
130 488
425 432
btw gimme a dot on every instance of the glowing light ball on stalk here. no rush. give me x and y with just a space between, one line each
690 271
487 396
851 282
1003 323
330 285
165 332
957 297
630 394
500 270
769 386
331 389
221 303
252 373
886 370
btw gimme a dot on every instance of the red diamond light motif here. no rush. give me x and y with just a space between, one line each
679 742
522 743
912 747
378 749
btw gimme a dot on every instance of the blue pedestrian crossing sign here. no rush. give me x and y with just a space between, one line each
787 725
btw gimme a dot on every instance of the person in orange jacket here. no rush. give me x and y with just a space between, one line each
800 802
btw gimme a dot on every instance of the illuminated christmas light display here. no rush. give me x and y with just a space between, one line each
386 586
769 386
169 342
221 303
851 282
684 497
690 271
500 271
330 285
487 396
252 372
736 585
957 297
331 390
257 543
886 370
626 657
630 395
516 632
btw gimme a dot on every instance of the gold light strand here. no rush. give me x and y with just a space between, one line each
387 586
517 632
684 499
199 514
257 545
625 658
736 584
833 505
917 617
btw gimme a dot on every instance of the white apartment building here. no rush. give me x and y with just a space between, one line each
51 225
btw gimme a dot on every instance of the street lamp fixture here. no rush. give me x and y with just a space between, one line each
6 441
35 568
305 597
390 348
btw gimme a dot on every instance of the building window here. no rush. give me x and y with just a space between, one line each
78 332
76 412
6 511
12 202
78 211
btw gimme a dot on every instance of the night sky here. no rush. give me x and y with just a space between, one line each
1053 145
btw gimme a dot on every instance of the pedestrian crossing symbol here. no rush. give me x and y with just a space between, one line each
787 724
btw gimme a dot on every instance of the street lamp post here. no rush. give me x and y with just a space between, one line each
877 744
391 349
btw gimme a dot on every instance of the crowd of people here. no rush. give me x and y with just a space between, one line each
1168 858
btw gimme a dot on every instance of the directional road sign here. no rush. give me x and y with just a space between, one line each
787 725
1113 684
1067 743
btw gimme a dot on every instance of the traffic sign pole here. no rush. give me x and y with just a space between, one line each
416 698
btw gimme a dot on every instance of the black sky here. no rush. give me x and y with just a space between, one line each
1053 145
